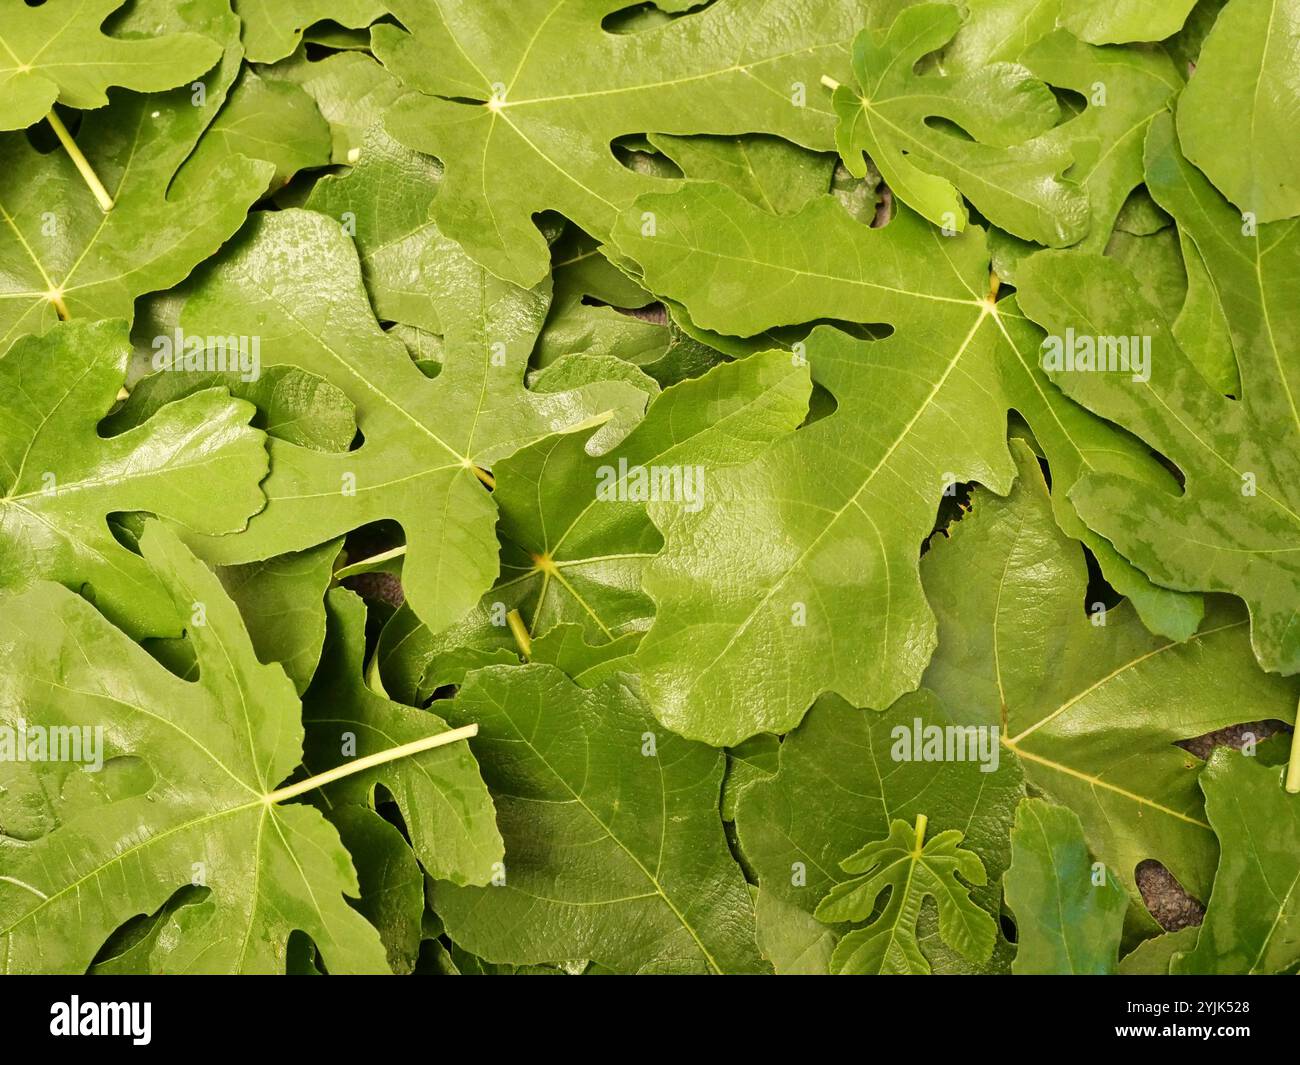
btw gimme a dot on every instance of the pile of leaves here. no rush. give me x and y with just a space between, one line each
584 486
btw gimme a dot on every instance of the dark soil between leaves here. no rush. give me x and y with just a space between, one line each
1164 896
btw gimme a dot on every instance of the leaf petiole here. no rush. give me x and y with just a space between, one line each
364 565
1293 763
428 743
520 632
81 162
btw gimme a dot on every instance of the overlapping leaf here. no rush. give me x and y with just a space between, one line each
271 120
785 585
577 555
351 90
907 868
576 540
524 125
196 461
282 602
837 784
998 164
61 256
1069 913
216 749
272 30
1123 90
1116 21
1235 527
386 201
295 281
1251 924
614 849
57 51
441 796
1245 94
1096 730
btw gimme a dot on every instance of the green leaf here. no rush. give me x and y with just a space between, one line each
1200 326
585 316
196 461
795 942
770 172
612 853
754 760
351 90
392 885
272 30
589 316
1185 45
1117 21
521 100
1251 924
56 51
575 537
828 596
61 256
916 412
1141 215
998 31
1066 923
911 868
1246 91
576 534
441 796
838 783
294 276
1236 525
282 603
1009 590
271 120
385 202
414 662
992 157
291 405
1152 956
129 950
1124 89
216 750
587 665
1156 263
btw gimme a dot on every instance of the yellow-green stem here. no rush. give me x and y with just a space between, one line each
81 162
372 760
363 565
1293 765
520 632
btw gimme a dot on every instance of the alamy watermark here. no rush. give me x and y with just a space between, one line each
919 742
77 1018
227 354
53 743
626 483
1084 353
